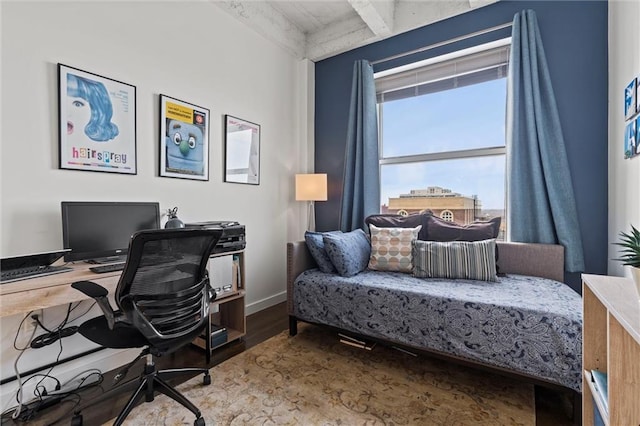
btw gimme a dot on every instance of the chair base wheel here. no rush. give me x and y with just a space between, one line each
199 422
206 380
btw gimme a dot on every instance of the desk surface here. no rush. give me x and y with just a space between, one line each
51 290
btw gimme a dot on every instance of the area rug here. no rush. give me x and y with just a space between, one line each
313 379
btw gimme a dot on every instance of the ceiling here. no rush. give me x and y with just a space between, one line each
318 29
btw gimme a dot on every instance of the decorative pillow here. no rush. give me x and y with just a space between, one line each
349 251
470 260
442 230
316 248
398 221
391 248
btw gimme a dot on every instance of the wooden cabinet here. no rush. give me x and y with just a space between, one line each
228 310
611 344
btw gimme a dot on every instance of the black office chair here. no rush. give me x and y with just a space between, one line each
163 298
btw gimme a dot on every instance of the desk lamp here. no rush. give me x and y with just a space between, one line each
311 187
174 221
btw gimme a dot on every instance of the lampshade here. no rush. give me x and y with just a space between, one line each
311 187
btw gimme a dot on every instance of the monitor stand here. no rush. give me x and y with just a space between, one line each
108 259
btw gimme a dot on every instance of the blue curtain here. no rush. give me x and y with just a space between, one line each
361 186
541 205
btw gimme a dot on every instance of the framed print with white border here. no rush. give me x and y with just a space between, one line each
97 122
184 139
242 146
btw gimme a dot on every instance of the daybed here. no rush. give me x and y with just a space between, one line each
527 322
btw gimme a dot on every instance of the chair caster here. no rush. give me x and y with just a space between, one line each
199 422
206 379
76 420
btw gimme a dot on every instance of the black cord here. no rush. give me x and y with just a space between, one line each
44 376
49 338
54 335
32 409
85 312
35 392
15 339
43 340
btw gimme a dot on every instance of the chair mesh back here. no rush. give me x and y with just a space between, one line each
164 289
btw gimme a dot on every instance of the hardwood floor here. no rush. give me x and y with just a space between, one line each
552 407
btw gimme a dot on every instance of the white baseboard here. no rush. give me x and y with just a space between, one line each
104 360
254 307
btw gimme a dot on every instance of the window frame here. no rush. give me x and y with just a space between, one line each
443 155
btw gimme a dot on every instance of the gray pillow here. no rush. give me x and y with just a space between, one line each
398 221
349 252
470 260
317 250
442 230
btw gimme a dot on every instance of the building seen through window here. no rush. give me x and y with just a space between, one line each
445 204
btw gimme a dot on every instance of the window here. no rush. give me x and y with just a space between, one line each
447 215
442 135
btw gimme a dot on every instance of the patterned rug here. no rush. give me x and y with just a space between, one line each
313 379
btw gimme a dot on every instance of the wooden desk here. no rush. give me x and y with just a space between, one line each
51 290
21 297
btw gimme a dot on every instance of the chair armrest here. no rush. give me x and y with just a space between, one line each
99 294
90 288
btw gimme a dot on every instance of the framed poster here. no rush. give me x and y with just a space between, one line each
630 141
184 140
97 122
242 146
630 100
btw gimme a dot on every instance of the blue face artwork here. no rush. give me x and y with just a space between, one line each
185 151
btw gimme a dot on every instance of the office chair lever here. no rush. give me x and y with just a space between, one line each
99 294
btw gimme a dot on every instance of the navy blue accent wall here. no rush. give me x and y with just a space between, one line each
574 34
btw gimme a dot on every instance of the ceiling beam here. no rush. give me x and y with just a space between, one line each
338 38
268 22
474 4
375 20
378 15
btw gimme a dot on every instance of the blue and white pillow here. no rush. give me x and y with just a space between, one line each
317 250
349 251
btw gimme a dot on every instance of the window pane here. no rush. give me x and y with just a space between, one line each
462 190
468 117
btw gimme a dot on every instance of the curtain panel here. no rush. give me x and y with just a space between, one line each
540 201
361 185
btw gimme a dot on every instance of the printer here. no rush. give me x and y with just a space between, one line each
233 236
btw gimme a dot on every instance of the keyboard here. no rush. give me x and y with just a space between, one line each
31 272
107 268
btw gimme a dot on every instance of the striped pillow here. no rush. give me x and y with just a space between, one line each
455 259
391 248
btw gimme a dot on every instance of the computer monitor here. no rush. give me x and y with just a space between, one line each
100 231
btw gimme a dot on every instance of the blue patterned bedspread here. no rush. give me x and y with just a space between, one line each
526 324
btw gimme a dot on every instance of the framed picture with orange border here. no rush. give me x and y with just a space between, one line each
184 139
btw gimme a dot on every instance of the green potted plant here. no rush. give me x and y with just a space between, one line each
630 253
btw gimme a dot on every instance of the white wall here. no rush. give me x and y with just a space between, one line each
624 175
189 50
